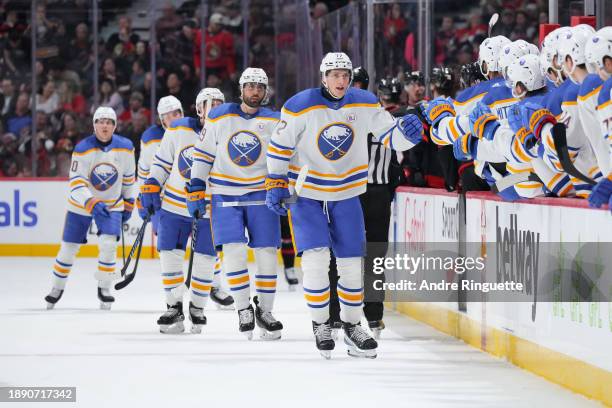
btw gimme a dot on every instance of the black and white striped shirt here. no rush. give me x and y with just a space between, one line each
381 158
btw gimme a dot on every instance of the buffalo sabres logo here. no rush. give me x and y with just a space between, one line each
335 140
185 160
244 148
103 176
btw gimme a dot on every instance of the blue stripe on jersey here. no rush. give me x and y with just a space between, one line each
76 188
204 152
163 161
324 182
196 159
280 146
174 196
273 156
161 167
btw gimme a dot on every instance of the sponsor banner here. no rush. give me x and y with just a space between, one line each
527 231
33 212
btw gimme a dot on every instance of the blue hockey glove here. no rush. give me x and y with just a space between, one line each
601 193
142 212
196 201
483 125
535 117
277 189
412 128
128 207
438 109
465 147
150 195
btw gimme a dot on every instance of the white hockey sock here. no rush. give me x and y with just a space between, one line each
201 278
172 273
237 272
265 278
107 247
315 266
217 273
350 289
63 264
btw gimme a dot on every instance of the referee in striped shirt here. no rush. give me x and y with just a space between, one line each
383 176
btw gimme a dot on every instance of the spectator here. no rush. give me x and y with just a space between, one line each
63 152
169 21
109 73
135 108
16 54
8 99
475 32
134 131
445 41
80 54
522 29
20 121
137 78
319 10
395 27
71 99
48 100
506 25
69 129
110 97
124 38
44 130
220 57
185 42
9 155
174 87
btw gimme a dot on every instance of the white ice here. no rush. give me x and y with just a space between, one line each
118 358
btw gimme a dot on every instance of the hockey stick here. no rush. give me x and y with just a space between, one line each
122 245
194 234
492 22
560 139
136 248
299 184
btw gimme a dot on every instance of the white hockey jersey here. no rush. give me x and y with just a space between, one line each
172 163
232 151
587 111
331 137
101 173
149 143
604 113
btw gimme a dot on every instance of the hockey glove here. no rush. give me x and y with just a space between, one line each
465 147
535 117
601 193
128 207
483 125
412 128
515 120
150 195
100 213
142 212
196 201
439 109
277 190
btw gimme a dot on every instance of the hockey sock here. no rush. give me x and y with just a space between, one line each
350 289
63 263
172 272
315 264
107 246
265 279
237 272
201 278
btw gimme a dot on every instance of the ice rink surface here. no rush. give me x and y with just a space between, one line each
118 358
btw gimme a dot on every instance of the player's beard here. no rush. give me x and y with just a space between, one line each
249 102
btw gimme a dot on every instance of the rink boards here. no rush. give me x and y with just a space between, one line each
565 342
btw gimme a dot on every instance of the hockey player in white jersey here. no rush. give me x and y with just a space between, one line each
598 55
169 109
231 157
326 129
171 169
102 188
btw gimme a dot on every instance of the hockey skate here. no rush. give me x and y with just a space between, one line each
323 337
376 327
270 327
196 315
246 322
358 341
53 297
222 299
171 322
291 278
106 300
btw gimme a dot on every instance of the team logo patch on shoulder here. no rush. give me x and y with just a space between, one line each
335 140
185 161
103 176
244 148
